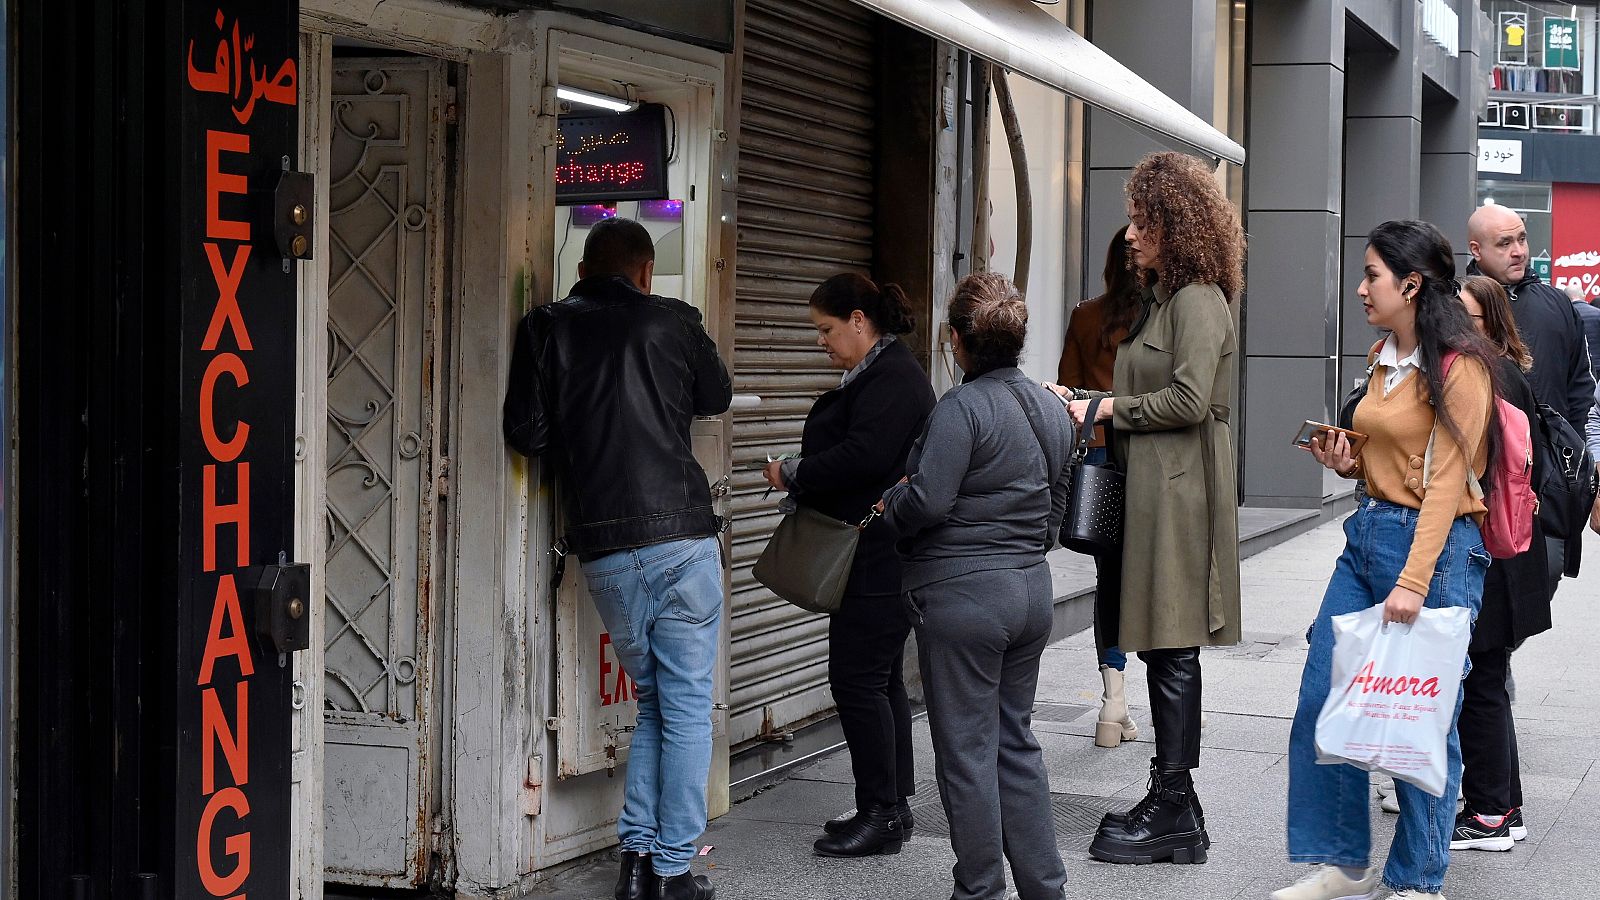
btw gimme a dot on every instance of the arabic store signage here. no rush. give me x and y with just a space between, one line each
612 156
1575 237
235 418
1501 156
1560 43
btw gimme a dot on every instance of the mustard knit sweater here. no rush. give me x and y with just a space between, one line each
1397 426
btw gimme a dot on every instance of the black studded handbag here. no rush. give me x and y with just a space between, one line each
1095 504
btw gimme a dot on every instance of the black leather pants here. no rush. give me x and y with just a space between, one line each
1174 680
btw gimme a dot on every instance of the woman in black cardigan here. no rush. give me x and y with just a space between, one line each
1516 606
853 449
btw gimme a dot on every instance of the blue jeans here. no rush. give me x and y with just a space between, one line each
1328 805
663 606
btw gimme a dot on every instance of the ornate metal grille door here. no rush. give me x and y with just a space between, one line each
384 305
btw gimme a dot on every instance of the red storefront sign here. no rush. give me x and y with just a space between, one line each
1575 237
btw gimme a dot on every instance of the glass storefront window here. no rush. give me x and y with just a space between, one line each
1530 200
1544 66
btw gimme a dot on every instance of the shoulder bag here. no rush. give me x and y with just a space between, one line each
1095 502
807 561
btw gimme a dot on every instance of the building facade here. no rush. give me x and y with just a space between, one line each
1539 153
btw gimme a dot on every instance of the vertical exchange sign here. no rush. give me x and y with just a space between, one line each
238 91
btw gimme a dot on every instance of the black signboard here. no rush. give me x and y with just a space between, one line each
236 415
607 156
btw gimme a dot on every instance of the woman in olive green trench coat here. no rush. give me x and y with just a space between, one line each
1170 403
1180 549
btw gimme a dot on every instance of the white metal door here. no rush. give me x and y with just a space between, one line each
385 294
806 147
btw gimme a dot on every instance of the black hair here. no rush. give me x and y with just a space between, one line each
1407 247
617 247
1123 297
887 307
989 313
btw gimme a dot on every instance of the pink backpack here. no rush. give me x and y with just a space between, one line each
1512 503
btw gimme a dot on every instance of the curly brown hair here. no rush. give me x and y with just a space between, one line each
1194 224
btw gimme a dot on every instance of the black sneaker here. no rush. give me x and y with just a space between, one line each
1519 831
1479 832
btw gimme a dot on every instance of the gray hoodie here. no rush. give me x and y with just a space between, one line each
981 493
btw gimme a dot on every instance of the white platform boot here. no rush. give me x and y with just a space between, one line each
1114 726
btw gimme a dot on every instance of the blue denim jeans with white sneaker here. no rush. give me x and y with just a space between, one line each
663 606
1329 806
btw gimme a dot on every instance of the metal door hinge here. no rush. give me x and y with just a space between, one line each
451 114
532 787
443 481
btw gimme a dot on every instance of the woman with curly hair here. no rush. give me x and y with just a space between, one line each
1169 405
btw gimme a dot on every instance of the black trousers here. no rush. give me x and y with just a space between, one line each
1173 676
1491 780
866 655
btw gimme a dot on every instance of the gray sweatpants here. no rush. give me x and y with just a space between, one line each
979 639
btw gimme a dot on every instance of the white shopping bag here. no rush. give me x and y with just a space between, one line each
1393 694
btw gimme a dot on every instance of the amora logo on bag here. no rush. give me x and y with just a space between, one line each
1398 684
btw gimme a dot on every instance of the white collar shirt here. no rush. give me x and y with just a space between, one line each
1395 369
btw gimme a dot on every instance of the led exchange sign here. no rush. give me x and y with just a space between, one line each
612 156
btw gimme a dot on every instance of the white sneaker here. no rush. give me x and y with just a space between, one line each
1330 883
1390 803
1414 895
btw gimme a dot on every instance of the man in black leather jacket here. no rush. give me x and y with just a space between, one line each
605 384
1560 377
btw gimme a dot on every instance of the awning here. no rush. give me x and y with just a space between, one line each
1025 39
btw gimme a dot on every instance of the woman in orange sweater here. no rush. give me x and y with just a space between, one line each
1412 542
1094 330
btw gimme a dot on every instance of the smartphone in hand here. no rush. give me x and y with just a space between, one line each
1311 429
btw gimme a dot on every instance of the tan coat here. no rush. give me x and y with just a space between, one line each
1174 385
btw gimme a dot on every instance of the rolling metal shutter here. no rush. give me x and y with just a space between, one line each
805 212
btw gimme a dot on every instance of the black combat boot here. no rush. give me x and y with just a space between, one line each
687 886
634 882
875 830
907 824
1163 826
1113 820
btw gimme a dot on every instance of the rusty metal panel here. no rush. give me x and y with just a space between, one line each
806 186
385 296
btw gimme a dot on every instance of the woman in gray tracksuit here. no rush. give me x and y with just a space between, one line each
980 506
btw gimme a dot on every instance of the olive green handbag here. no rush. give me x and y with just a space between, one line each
807 562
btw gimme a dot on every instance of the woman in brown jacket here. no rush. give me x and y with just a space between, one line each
1094 330
1171 399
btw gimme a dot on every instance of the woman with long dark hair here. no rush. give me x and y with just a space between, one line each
1170 403
853 448
1412 542
1094 330
1516 606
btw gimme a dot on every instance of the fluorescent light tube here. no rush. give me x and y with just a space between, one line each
587 98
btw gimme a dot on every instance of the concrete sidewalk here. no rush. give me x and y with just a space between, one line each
762 847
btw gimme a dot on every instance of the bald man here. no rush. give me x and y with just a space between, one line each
1546 320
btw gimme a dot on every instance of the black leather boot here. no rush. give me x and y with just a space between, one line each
634 882
687 886
1112 820
908 824
1161 827
875 830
